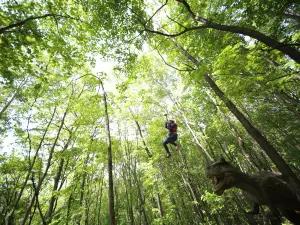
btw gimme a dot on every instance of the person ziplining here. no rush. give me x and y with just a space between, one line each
172 135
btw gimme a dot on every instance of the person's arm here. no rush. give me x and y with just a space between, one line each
167 125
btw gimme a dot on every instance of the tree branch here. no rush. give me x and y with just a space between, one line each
3 29
176 22
157 11
21 23
171 65
177 34
291 52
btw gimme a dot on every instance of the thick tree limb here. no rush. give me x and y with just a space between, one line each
291 52
283 47
21 23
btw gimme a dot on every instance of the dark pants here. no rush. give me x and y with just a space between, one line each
172 137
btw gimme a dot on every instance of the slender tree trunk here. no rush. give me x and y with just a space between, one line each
127 182
254 132
37 203
191 187
199 146
11 216
46 169
172 199
179 218
55 187
140 195
160 206
112 217
99 200
57 178
116 202
141 134
12 98
8 103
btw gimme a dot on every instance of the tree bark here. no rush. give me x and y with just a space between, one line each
99 200
112 217
69 208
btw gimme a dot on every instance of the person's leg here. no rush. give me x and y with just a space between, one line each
167 141
170 140
173 138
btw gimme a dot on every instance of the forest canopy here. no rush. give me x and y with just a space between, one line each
85 87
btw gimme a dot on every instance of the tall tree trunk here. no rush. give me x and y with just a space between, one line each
199 146
257 136
99 200
254 132
140 195
250 156
56 182
112 217
69 208
127 171
55 187
128 190
160 206
39 185
10 219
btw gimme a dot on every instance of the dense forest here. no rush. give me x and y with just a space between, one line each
85 87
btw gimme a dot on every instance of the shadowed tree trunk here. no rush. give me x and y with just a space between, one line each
112 217
57 178
160 206
55 186
254 132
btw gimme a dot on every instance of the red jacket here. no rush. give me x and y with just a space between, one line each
171 126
